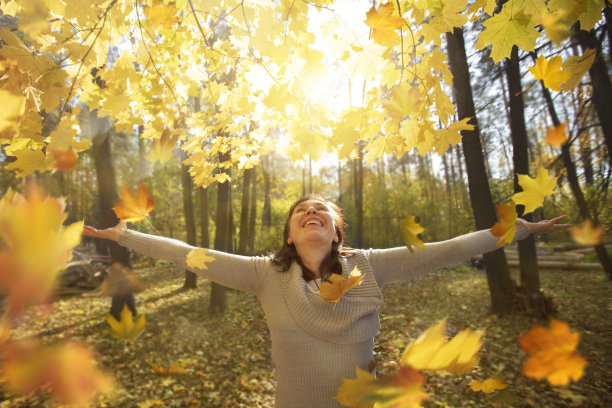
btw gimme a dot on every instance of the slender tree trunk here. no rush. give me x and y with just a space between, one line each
250 248
572 179
359 198
530 280
222 238
501 286
191 279
107 191
244 211
266 215
340 198
204 218
449 194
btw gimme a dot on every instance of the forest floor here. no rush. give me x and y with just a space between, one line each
227 358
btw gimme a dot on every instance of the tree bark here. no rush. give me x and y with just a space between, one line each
107 192
266 215
501 286
204 218
359 198
222 238
572 179
250 248
244 212
530 280
191 279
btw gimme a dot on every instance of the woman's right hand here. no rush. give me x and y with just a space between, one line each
112 233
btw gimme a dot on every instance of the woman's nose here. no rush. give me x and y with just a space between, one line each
311 210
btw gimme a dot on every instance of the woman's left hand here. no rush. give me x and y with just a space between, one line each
544 226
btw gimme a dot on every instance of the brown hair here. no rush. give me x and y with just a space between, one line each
286 254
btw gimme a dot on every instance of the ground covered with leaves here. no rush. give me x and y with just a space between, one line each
224 361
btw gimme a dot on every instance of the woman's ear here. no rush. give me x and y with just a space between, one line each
289 240
336 238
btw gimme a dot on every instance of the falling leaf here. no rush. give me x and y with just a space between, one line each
578 66
505 228
557 135
126 328
432 350
351 390
534 190
69 371
120 281
488 386
198 258
587 234
404 389
65 160
134 207
337 286
161 149
550 72
384 22
171 370
35 246
552 353
409 230
557 25
162 15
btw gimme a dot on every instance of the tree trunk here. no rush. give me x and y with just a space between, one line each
359 198
572 179
600 85
204 218
244 212
107 192
266 215
340 198
449 195
501 286
222 238
530 280
191 279
250 248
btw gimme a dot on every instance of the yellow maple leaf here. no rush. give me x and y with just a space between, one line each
351 390
162 15
550 72
432 350
534 189
198 258
587 234
505 228
409 230
401 102
28 161
161 148
126 328
557 25
506 29
384 22
553 354
488 386
557 135
333 290
403 389
578 66
134 206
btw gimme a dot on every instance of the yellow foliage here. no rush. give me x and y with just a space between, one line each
534 189
505 228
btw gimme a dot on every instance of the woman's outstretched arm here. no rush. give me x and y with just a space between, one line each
400 265
235 271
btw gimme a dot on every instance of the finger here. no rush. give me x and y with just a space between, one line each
559 218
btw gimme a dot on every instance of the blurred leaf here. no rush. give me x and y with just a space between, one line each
351 390
505 228
65 160
553 354
134 206
402 390
488 386
384 22
337 286
409 230
557 135
120 281
171 370
587 234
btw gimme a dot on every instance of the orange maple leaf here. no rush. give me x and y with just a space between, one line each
587 234
505 228
65 160
171 370
134 206
337 286
557 135
553 353
384 23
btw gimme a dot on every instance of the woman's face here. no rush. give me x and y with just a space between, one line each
312 221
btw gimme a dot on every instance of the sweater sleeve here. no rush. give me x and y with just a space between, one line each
235 271
395 265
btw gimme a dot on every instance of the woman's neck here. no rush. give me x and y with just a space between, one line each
312 258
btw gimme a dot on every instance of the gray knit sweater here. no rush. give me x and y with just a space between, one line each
313 344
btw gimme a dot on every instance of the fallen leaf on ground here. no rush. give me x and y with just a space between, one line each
488 386
171 370
553 354
432 350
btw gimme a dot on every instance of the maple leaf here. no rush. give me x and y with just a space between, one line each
351 390
65 160
161 149
401 102
198 258
553 353
550 72
69 371
432 350
402 390
171 370
488 386
134 207
587 234
33 225
578 66
126 328
505 228
162 15
120 281
332 291
409 230
534 189
557 25
504 30
557 135
384 22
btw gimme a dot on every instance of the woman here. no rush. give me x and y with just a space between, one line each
316 343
